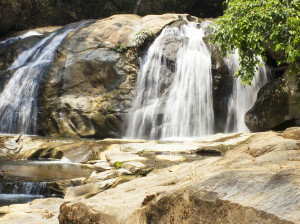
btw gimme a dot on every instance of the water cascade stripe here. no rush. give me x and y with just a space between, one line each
184 108
243 97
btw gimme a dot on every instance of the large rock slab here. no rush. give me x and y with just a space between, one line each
244 186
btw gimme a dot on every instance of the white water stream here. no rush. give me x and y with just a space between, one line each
18 100
185 109
243 97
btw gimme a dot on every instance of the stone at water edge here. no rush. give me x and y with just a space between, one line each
88 190
133 166
39 211
122 172
173 158
114 157
62 185
102 166
101 176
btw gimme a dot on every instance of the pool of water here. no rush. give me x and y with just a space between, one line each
24 181
41 170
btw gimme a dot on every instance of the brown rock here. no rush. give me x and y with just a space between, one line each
276 107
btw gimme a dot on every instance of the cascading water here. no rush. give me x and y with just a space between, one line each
243 97
22 192
18 100
184 109
33 188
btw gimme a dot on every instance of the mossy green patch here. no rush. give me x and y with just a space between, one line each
118 165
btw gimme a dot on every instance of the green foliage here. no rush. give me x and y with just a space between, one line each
119 48
118 165
256 27
141 37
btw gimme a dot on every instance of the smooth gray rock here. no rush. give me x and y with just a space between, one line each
88 190
114 157
122 171
101 176
102 166
133 166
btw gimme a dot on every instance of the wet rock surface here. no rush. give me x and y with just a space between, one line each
222 88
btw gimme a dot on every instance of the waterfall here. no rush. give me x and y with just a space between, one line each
22 192
28 188
18 100
176 105
243 97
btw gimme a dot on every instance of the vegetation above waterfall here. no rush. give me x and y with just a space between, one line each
260 28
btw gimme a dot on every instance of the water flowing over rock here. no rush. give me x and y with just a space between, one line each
174 95
84 85
89 87
18 100
22 192
243 97
38 188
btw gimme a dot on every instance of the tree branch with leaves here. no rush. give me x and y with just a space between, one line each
257 28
